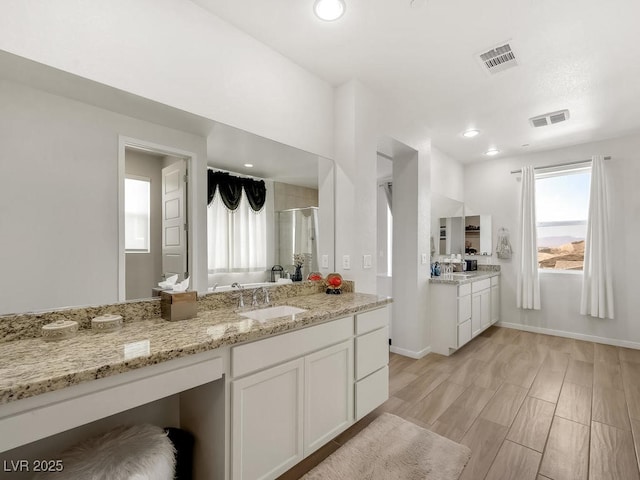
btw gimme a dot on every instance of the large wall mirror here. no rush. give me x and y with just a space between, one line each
62 206
296 217
447 225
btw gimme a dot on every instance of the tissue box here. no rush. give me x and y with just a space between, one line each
178 305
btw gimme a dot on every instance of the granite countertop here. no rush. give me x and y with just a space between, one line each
33 366
460 278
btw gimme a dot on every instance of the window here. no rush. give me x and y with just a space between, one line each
137 210
562 204
237 238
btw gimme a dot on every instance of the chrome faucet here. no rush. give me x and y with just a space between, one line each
254 297
241 289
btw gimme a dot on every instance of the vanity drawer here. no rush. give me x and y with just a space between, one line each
495 280
372 320
464 289
371 392
481 285
372 352
464 308
271 351
464 333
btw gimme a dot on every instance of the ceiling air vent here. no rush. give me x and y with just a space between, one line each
549 118
498 58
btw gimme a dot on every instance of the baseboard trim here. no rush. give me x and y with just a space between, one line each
410 353
575 336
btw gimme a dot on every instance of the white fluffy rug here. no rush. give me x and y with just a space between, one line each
139 452
392 448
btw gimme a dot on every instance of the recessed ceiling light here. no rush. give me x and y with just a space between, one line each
471 133
248 165
329 10
492 151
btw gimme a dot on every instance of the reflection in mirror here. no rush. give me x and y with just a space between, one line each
245 245
447 225
155 212
477 236
60 209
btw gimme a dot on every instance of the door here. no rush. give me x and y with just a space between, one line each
266 420
328 394
495 304
174 220
486 307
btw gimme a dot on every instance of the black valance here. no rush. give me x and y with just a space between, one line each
230 189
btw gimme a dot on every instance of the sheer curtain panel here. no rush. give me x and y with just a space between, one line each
597 282
528 284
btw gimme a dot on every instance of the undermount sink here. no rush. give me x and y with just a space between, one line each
462 275
264 314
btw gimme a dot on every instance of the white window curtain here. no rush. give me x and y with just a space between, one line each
236 239
597 283
528 284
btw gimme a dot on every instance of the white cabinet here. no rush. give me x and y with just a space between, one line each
267 422
495 299
461 312
328 394
372 359
292 393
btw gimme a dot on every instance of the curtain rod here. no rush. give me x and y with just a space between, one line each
578 162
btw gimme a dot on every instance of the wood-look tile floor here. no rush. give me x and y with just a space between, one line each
529 406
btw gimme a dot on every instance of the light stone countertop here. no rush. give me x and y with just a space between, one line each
460 278
34 366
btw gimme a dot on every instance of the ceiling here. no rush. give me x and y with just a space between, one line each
581 55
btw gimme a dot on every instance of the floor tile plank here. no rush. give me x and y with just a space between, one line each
429 408
580 372
547 385
484 438
612 454
504 406
575 403
566 455
610 407
514 461
531 426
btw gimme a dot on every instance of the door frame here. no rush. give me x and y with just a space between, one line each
190 157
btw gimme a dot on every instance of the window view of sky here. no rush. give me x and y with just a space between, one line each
562 204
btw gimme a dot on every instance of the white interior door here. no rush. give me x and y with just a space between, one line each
174 220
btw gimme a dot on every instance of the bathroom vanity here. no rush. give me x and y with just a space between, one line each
463 305
259 396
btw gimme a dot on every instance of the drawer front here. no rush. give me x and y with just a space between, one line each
270 351
481 285
464 289
495 280
372 352
372 320
371 392
464 308
464 333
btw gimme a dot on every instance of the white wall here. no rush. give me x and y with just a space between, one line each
59 198
490 188
179 54
447 175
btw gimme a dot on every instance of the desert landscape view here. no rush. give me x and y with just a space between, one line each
564 256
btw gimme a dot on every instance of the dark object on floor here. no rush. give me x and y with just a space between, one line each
183 442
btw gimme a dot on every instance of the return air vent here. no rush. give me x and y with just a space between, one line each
549 118
498 59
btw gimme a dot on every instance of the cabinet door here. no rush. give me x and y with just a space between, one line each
328 394
266 409
476 313
495 304
485 315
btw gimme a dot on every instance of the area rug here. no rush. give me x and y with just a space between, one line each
393 448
